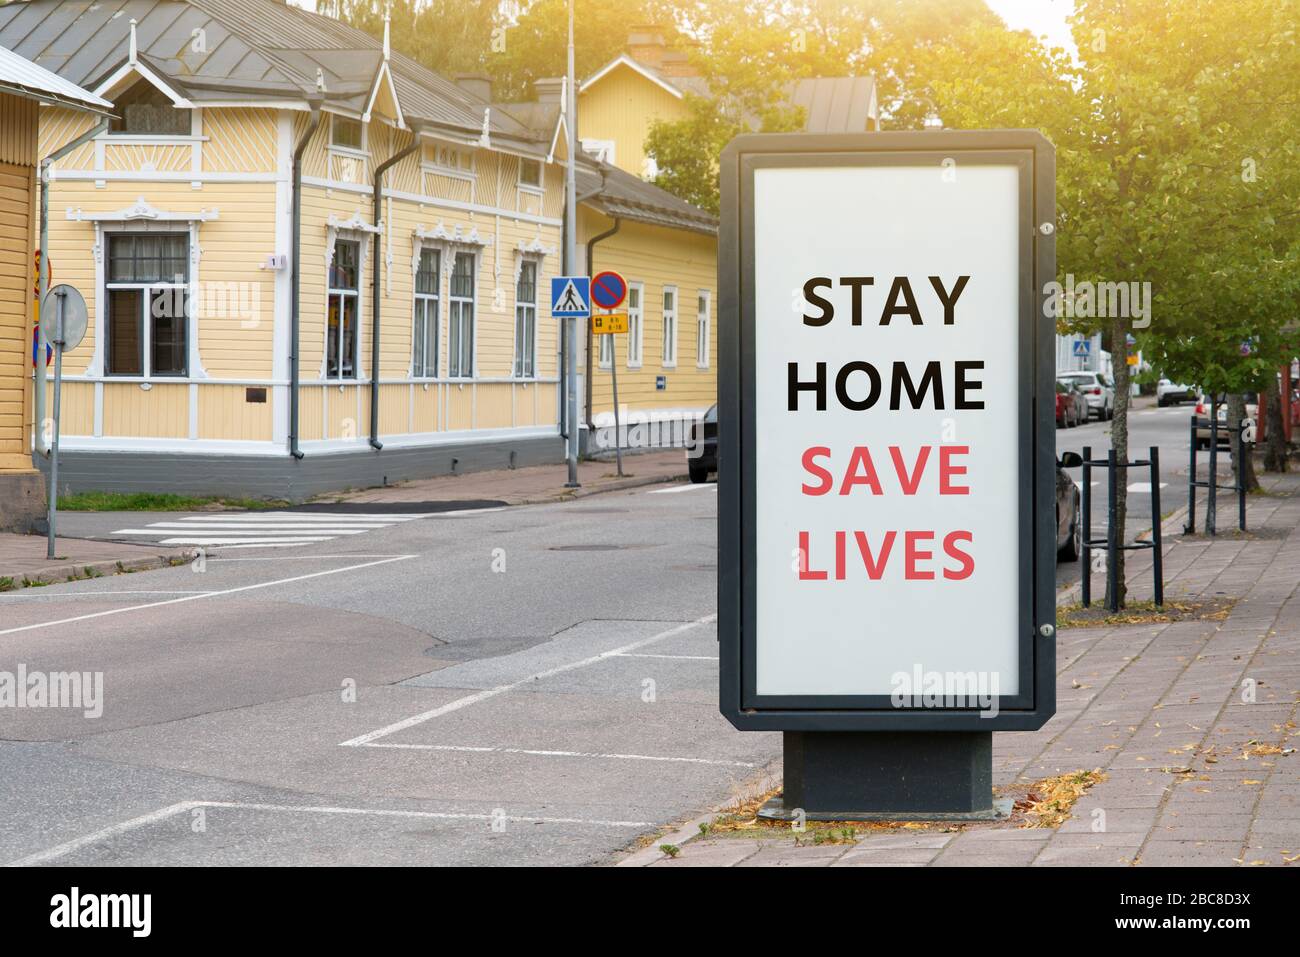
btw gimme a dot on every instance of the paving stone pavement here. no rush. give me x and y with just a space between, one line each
1179 716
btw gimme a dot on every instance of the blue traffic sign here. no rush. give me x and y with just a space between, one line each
1082 347
570 297
608 290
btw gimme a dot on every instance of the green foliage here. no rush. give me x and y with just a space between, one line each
155 502
446 36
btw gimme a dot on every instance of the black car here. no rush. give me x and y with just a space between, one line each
1069 528
702 449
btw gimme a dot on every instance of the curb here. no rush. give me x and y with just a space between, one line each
690 831
1171 525
619 485
77 571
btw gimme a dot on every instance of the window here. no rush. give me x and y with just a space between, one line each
702 317
530 173
449 159
147 292
670 326
341 321
634 294
425 352
345 132
145 110
606 351
526 320
460 317
602 150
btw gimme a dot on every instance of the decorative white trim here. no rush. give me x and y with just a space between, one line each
624 60
142 210
134 66
440 234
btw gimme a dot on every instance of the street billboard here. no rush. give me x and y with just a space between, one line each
886 430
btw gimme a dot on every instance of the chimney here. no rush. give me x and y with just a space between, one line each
677 63
549 89
645 44
475 84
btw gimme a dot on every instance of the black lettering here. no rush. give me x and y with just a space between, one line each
841 386
903 379
856 283
900 287
795 386
949 300
962 384
810 294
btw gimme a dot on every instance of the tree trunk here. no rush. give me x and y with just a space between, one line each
1119 442
1243 463
1275 437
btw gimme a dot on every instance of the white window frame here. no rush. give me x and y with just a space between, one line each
420 306
605 347
330 292
602 150
668 326
146 290
540 185
635 325
363 150
703 324
455 317
442 169
529 309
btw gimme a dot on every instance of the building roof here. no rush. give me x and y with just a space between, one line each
619 194
832 104
23 78
244 51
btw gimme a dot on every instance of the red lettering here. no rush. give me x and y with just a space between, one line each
947 470
823 477
914 555
840 539
805 574
875 566
861 459
964 559
909 482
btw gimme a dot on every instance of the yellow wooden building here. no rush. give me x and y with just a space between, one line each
413 338
24 86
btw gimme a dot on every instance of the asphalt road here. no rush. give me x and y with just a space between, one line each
529 685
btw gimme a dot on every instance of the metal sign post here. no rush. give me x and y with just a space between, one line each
886 591
608 291
68 327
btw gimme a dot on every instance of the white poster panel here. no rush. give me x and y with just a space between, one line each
887 522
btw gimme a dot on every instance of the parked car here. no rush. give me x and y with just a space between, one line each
1172 393
1071 405
1225 437
1069 528
702 449
1097 388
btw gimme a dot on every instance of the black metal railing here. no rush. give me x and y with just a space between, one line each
1211 483
1111 542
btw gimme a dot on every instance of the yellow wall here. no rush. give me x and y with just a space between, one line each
18 130
658 257
622 106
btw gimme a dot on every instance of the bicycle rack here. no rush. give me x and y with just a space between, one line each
1111 543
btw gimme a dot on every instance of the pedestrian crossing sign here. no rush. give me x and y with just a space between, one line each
1082 347
570 297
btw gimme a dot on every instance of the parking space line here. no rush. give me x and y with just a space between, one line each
487 693
200 595
171 810
562 754
671 657
693 487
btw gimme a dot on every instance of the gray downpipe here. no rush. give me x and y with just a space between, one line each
591 249
43 274
374 282
296 284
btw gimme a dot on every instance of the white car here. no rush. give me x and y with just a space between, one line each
1097 389
1172 393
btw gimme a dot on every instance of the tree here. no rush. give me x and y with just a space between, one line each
443 35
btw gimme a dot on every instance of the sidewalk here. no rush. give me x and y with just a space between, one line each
1192 723
528 486
23 562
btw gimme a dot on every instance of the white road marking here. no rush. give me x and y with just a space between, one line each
487 693
192 525
273 533
162 814
562 754
250 542
200 595
317 516
672 657
262 529
1145 487
693 487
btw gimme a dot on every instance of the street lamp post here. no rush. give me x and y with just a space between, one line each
570 264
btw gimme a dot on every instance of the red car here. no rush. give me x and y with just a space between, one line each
1071 406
